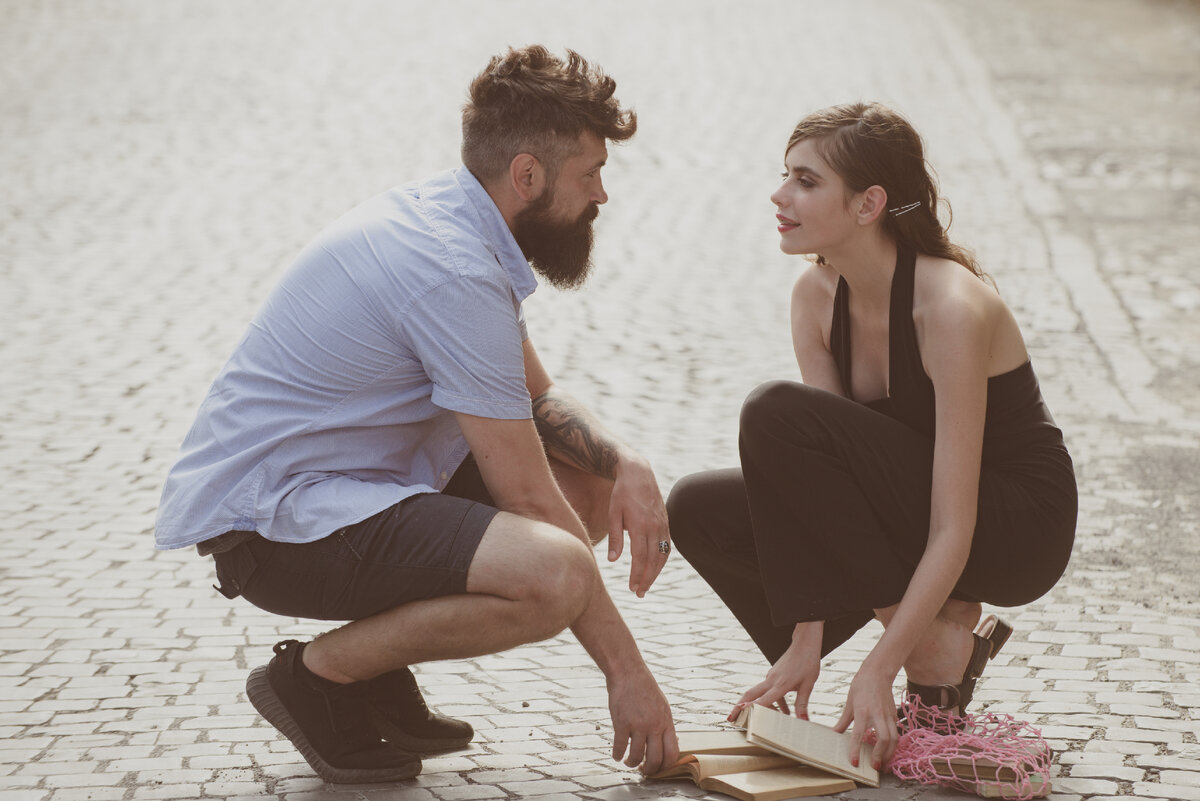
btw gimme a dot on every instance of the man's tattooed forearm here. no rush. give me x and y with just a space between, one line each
569 432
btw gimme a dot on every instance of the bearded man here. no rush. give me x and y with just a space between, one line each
385 448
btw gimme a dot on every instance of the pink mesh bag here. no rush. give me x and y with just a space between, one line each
993 756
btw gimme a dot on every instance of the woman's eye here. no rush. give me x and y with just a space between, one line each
803 180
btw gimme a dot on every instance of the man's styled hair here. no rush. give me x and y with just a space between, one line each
531 101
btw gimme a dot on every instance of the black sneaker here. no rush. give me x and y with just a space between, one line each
401 716
328 723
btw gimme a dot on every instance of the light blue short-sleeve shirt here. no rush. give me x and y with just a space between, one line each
338 401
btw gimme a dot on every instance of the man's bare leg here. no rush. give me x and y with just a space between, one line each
527 582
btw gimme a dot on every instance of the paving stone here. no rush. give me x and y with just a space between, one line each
66 779
1085 787
1112 772
1138 735
88 794
470 792
168 791
1188 792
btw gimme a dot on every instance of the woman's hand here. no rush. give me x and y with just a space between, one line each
795 671
872 709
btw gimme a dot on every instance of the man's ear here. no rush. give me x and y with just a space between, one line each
873 202
527 176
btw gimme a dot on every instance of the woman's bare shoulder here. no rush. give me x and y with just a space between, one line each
952 304
945 286
816 285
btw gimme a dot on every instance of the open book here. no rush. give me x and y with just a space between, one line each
724 761
807 742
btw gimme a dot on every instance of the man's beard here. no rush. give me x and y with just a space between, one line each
559 250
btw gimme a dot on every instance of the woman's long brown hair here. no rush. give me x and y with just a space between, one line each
868 144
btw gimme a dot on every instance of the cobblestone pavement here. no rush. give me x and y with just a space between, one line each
162 163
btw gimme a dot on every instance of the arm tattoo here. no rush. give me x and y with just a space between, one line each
569 432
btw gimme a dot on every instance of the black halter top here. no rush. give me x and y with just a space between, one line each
910 392
1017 417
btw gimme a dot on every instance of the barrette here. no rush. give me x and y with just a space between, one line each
905 209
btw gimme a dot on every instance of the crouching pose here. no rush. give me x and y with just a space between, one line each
384 446
913 475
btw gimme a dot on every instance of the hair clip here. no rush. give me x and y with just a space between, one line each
905 209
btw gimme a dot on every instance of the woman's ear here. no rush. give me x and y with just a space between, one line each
527 177
873 203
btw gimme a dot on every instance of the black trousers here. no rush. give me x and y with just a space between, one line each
829 515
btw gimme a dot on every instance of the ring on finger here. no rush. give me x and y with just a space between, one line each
664 547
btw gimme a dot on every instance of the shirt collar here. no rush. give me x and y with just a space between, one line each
497 236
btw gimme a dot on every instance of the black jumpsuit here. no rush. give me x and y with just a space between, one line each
829 513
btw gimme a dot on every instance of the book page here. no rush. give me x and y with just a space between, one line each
718 764
772 785
718 741
700 766
808 742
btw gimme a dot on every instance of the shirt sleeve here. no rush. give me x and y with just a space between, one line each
468 334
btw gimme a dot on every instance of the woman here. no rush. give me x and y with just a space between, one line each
913 475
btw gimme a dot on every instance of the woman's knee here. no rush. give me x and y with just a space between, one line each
684 505
695 502
776 406
709 515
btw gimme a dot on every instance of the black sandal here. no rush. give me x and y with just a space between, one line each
990 637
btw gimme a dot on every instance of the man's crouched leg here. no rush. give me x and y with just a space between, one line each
330 724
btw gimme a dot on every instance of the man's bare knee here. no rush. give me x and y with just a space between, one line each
547 571
560 594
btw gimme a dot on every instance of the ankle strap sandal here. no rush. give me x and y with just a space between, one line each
990 637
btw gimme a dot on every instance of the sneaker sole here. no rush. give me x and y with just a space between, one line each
264 699
418 745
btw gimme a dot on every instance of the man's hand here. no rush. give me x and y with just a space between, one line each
642 723
637 507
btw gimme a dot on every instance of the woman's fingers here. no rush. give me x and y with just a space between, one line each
754 693
886 740
765 693
856 733
880 735
803 691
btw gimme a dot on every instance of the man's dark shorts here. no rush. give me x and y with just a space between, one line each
420 548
